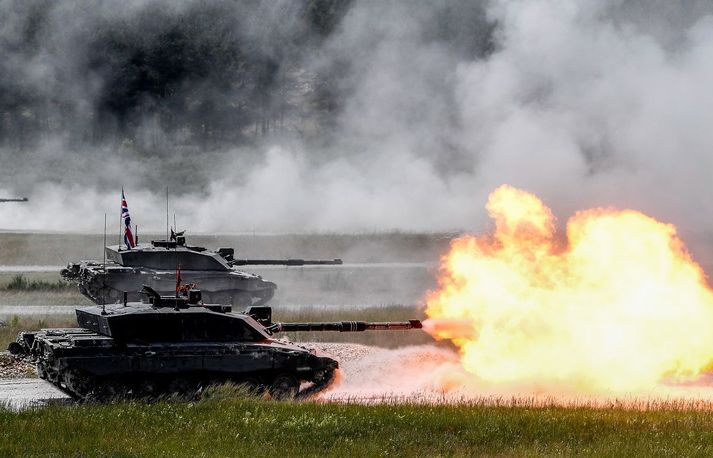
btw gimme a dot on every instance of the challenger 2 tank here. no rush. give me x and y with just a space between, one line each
155 264
176 346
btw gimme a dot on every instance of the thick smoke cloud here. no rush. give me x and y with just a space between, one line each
395 116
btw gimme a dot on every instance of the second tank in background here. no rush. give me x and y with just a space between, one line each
157 264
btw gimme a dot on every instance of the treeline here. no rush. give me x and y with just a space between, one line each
160 73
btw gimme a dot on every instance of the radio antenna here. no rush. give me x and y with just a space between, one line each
104 269
175 251
167 214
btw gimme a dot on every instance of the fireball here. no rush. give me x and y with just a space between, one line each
616 305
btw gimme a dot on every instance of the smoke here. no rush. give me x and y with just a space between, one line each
392 116
430 374
408 372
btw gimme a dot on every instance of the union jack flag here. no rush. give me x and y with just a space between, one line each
128 235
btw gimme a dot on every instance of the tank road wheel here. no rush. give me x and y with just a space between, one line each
41 371
79 384
284 386
182 388
147 388
110 390
322 381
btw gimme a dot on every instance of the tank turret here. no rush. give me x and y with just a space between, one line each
178 345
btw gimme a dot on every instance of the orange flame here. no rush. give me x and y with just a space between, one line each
618 306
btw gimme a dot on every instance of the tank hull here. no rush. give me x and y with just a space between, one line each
91 366
107 285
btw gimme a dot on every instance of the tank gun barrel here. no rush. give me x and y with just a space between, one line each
20 199
347 326
286 262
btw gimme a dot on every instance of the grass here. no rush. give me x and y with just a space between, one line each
19 283
30 298
10 327
241 426
31 288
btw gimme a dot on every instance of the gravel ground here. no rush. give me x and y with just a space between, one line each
10 367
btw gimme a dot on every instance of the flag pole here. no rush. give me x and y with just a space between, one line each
120 216
175 251
167 214
104 269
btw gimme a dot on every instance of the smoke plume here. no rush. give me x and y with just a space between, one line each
364 115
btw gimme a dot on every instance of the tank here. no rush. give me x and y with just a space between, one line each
178 346
155 264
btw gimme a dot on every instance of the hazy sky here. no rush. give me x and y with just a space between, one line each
588 103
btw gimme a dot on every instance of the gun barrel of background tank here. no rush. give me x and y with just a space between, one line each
21 199
351 326
287 262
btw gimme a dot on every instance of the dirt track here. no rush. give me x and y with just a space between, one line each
28 392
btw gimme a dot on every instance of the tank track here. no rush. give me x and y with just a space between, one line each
317 387
87 388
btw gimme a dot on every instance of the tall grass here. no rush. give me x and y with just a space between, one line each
230 426
9 328
20 283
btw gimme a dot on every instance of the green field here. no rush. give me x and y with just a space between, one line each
32 288
237 426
